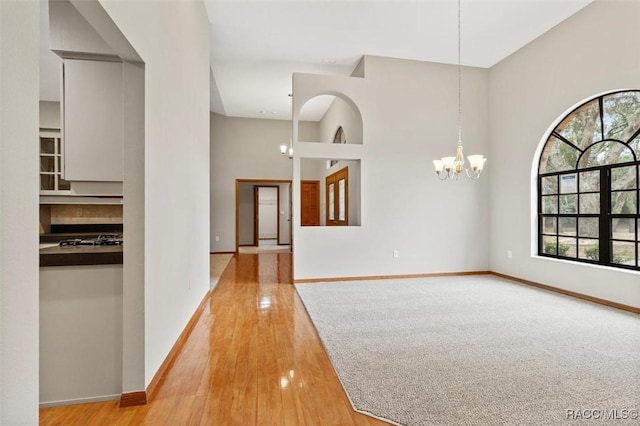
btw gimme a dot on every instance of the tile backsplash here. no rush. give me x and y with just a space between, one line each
79 214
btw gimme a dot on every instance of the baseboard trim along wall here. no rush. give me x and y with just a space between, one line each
130 399
389 277
497 274
597 300
79 401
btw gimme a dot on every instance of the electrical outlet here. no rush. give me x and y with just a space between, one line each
509 254
396 254
217 238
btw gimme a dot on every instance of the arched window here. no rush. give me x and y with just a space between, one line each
588 184
338 138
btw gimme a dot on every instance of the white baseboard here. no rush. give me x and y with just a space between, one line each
80 401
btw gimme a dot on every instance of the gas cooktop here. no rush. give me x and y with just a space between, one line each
100 240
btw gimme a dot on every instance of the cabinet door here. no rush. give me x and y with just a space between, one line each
310 202
93 137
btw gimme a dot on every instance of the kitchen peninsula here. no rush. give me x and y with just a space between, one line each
81 255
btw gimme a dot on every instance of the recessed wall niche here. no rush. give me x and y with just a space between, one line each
333 113
332 195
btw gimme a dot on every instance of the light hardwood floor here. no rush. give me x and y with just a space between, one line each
253 358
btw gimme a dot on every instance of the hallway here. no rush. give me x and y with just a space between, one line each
253 358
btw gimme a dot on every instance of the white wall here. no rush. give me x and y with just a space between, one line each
339 114
403 205
49 115
50 63
69 31
172 37
19 50
244 148
531 89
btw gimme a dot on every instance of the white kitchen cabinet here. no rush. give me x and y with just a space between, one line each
51 182
93 122
80 334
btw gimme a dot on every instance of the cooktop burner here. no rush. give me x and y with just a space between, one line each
100 240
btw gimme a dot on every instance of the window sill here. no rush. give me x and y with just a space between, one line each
586 265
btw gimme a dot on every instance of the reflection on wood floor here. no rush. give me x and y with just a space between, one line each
253 358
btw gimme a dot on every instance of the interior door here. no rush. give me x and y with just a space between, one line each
337 198
267 222
310 202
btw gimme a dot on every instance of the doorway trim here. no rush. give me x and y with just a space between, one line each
266 182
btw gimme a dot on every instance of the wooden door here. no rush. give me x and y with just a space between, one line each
337 198
310 202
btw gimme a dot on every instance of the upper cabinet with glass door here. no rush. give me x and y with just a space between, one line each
51 182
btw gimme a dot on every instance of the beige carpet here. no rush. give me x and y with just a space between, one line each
477 351
218 263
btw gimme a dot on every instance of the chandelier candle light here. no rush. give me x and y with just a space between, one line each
287 150
451 167
284 150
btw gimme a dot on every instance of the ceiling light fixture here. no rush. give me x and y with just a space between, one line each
284 149
451 167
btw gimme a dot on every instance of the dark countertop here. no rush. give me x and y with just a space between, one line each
56 237
83 255
53 255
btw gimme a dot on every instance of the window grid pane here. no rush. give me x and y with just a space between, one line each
549 245
624 202
567 247
589 227
568 204
590 203
550 204
590 181
623 229
582 126
567 226
549 185
549 225
623 253
624 178
589 249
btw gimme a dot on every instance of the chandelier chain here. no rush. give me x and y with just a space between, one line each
452 166
459 82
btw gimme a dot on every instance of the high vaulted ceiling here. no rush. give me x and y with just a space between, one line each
257 45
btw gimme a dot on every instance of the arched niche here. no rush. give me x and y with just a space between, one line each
332 111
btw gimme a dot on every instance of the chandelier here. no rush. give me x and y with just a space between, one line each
284 149
451 167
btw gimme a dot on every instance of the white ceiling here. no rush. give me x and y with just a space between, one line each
257 45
